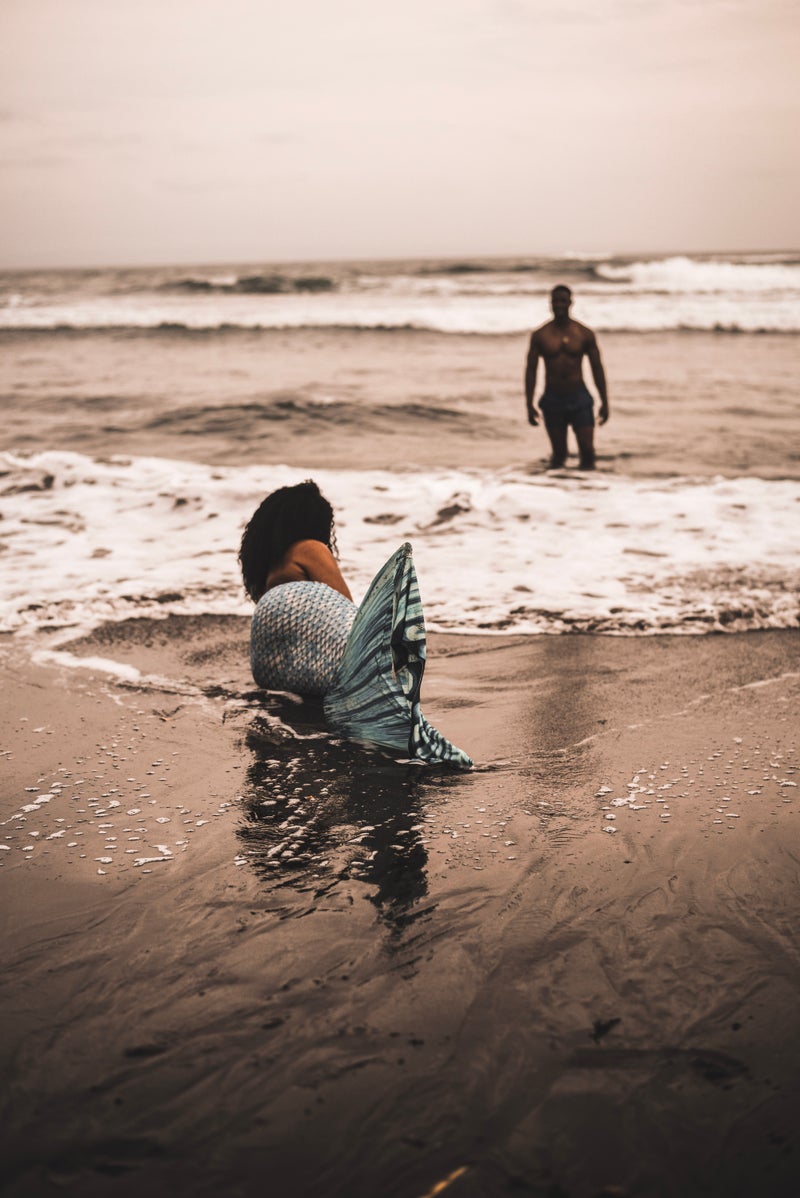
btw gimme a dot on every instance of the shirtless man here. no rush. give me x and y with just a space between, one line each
565 401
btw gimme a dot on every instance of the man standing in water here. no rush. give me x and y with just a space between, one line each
566 400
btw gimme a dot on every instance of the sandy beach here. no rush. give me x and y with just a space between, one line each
238 955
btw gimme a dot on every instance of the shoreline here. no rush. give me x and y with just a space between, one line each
408 972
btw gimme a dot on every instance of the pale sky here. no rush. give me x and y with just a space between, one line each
193 131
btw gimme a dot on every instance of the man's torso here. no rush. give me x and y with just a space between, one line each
563 347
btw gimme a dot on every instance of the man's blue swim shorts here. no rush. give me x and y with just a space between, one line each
574 407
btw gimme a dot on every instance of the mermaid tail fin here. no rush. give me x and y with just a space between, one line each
375 694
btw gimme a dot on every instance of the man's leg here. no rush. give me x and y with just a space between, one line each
557 432
585 438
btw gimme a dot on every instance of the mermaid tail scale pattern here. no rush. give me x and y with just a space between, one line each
298 635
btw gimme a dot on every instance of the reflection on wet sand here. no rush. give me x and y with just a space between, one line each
317 812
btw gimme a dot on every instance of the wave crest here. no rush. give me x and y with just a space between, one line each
257 284
682 275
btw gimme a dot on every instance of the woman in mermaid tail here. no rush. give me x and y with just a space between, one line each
308 636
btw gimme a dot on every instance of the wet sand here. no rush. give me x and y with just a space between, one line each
241 958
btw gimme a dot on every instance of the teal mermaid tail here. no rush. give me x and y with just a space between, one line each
375 694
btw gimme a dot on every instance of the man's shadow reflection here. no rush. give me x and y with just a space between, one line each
318 811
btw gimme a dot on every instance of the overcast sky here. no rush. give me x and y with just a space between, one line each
156 131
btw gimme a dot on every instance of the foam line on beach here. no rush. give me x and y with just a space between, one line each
102 665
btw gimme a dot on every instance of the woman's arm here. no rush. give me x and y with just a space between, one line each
313 561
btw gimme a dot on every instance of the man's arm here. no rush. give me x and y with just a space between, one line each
530 379
599 376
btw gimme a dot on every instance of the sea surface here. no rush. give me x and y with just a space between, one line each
148 411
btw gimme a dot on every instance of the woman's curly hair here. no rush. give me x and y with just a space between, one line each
299 513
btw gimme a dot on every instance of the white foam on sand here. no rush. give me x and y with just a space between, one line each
88 541
105 665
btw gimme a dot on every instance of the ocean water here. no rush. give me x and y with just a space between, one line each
147 412
743 293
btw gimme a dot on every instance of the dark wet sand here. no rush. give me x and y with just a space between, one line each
352 978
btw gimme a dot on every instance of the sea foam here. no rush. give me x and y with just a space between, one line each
88 541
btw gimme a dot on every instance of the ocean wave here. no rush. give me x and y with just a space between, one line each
175 328
170 328
243 419
457 268
547 268
271 284
681 275
469 297
148 537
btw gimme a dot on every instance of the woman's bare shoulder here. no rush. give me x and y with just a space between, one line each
302 562
317 563
310 553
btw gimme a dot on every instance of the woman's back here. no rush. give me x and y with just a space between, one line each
307 561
